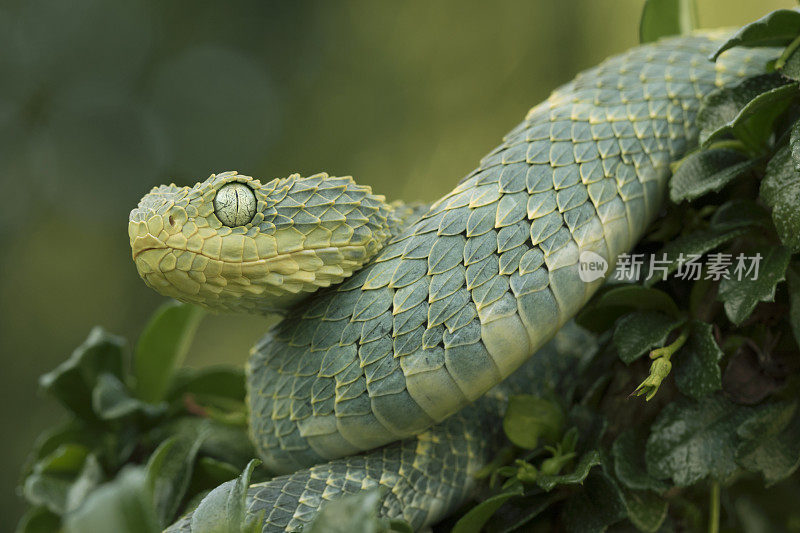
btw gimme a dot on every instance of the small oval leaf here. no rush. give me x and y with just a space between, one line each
162 347
530 418
706 171
778 28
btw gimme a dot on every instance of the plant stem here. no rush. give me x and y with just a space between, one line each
781 61
713 512
670 349
728 144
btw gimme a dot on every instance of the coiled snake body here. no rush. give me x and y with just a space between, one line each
457 297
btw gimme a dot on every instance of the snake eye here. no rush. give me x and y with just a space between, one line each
235 204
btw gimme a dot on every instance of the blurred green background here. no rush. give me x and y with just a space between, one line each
100 100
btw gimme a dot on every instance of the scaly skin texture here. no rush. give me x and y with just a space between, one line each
462 296
427 476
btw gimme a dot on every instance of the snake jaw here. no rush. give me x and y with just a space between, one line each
299 234
145 243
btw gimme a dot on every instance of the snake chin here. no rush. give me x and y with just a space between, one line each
289 237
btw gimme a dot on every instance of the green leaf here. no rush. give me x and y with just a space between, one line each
601 313
224 509
223 410
706 171
475 518
638 297
780 174
68 458
780 190
355 513
778 28
111 400
169 470
73 380
794 144
742 295
162 347
637 333
629 465
771 441
661 18
215 393
210 515
746 110
390 525
61 480
692 440
793 279
228 443
69 433
219 471
578 475
124 505
237 501
517 512
646 511
90 476
753 518
39 520
697 371
739 213
702 297
222 381
529 418
696 243
596 506
223 442
789 62
47 491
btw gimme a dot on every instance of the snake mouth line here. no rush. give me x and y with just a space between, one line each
254 262
137 253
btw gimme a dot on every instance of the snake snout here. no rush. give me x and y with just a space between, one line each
153 227
144 243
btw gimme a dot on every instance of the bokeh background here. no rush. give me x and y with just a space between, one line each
102 99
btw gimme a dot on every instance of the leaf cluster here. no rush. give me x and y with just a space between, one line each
144 440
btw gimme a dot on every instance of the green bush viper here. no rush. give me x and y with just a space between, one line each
419 314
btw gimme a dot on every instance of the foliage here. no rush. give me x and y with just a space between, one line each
146 451
146 441
667 17
223 509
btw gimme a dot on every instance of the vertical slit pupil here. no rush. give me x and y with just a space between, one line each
239 214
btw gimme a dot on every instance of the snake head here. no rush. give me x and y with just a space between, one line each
231 243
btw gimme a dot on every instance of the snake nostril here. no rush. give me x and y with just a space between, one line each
171 220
